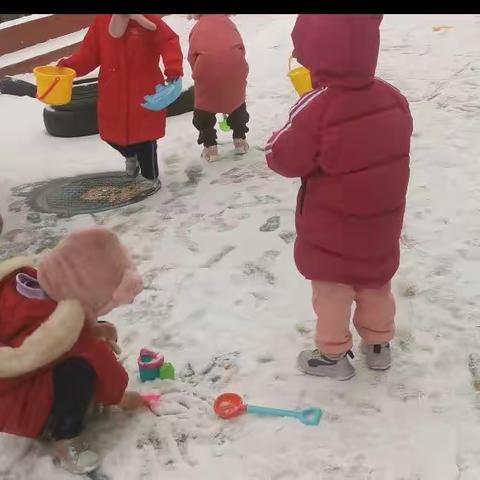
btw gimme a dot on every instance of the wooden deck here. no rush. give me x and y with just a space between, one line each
31 33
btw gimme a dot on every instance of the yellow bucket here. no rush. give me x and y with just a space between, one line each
300 78
54 84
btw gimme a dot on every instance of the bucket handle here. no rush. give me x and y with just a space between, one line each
290 58
49 89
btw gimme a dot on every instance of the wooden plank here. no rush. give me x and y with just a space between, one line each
27 66
31 33
62 25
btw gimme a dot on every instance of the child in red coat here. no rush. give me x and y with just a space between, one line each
219 70
349 142
56 360
128 51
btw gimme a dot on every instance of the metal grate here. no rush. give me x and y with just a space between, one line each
67 197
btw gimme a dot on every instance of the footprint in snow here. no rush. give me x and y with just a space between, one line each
272 224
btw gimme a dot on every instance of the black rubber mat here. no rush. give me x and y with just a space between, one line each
83 194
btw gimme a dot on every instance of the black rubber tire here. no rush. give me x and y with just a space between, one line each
21 88
78 118
18 88
183 104
71 123
84 97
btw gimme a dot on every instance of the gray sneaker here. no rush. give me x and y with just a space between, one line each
132 168
378 356
75 456
156 184
313 362
241 146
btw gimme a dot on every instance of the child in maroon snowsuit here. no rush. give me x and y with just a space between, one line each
349 142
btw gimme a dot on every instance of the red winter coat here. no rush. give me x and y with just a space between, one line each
26 401
219 68
349 141
129 70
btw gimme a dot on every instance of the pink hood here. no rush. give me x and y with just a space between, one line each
339 50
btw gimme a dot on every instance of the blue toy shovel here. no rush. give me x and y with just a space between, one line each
164 96
230 405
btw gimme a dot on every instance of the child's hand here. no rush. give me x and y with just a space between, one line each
143 21
119 23
132 401
108 333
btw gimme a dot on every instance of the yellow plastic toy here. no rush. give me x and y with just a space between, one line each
54 84
300 78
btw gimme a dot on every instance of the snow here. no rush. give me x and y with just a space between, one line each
223 295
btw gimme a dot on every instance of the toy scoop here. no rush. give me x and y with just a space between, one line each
223 124
164 96
151 397
230 405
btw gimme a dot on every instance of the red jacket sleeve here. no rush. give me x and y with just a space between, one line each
87 57
112 378
169 48
293 150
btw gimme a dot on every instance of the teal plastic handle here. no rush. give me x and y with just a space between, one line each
309 416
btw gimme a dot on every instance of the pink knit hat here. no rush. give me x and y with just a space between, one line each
91 266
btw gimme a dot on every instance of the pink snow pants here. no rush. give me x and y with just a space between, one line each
373 318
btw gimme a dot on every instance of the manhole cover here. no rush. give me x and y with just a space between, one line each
87 193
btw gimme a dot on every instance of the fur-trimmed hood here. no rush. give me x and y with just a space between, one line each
56 336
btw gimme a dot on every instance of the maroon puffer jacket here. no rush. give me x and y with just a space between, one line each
349 141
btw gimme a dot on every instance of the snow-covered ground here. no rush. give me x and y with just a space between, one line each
226 305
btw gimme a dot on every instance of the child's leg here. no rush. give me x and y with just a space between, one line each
332 303
374 321
131 162
374 316
73 384
205 123
238 120
147 158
